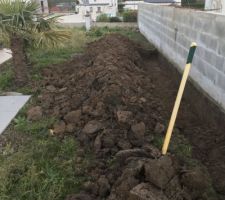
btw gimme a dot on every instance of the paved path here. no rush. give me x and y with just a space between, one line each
9 107
5 54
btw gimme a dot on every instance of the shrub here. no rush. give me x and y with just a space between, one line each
96 32
6 78
197 4
130 16
114 19
121 8
102 18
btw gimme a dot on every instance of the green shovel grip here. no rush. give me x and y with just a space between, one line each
191 52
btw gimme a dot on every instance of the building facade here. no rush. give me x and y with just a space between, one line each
97 7
215 6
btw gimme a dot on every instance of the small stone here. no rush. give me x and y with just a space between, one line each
34 113
145 191
63 89
142 100
92 127
152 151
86 109
124 116
159 128
137 134
97 143
123 144
99 110
73 116
108 141
124 154
138 129
70 128
104 186
159 171
59 128
51 88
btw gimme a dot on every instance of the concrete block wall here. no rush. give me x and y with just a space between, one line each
172 30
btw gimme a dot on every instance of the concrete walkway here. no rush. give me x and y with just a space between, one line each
5 54
9 107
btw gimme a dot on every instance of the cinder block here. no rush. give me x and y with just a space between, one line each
207 20
221 48
212 73
200 52
210 57
220 63
208 40
218 27
183 40
220 82
223 70
202 66
198 24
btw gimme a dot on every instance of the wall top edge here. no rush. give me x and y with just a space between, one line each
181 9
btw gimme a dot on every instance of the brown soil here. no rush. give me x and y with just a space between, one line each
116 98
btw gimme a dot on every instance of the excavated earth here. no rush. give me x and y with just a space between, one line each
116 99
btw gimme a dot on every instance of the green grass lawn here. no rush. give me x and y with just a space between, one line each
33 164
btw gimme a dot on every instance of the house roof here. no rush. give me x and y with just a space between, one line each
160 1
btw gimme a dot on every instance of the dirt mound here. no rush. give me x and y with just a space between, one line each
105 98
107 87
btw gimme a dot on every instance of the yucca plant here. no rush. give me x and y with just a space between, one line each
23 26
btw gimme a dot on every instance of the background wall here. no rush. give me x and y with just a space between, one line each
215 5
172 30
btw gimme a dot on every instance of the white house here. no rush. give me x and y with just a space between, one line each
97 7
215 6
131 5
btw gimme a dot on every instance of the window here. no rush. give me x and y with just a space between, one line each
91 9
99 9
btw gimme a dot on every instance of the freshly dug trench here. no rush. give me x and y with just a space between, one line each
107 99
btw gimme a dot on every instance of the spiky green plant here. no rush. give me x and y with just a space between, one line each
23 26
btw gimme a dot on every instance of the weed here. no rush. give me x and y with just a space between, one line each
158 141
6 78
111 162
37 127
181 146
25 90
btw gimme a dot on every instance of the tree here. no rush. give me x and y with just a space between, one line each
23 26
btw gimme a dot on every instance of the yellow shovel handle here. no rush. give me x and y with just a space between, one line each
179 97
